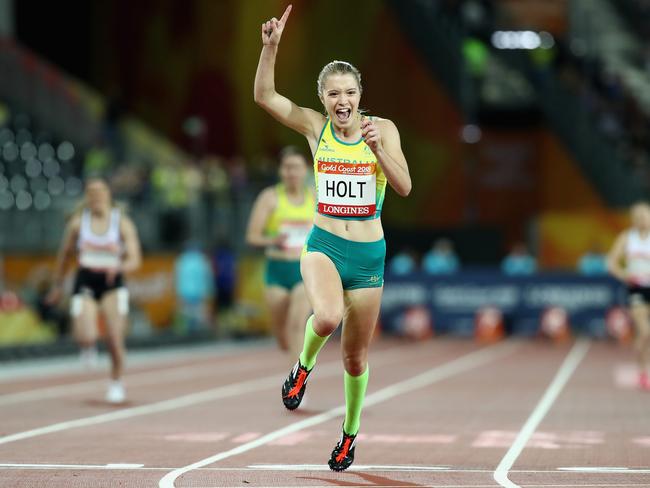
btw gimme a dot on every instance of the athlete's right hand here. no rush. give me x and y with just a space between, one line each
54 295
272 29
280 241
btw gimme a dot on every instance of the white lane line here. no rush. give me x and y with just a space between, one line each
433 375
57 366
168 373
162 406
604 469
571 362
328 369
134 379
354 467
546 485
582 485
260 467
72 466
322 467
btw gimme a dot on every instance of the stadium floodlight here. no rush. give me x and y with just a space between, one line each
33 168
45 151
10 151
51 168
28 151
471 134
522 40
65 151
23 200
18 183
42 200
55 186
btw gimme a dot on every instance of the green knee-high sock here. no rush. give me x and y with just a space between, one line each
312 345
355 392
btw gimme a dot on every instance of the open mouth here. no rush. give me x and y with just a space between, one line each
343 114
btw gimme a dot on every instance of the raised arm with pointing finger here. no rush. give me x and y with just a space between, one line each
306 121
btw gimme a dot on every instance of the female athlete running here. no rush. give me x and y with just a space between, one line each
106 244
343 262
280 222
629 261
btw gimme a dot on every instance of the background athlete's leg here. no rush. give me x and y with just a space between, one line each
277 300
83 310
325 293
640 315
299 309
114 305
361 313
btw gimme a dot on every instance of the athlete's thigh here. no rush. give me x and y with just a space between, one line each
84 315
114 305
641 318
322 283
361 314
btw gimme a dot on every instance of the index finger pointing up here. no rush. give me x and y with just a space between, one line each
285 15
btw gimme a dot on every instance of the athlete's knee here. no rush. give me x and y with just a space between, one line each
326 321
84 336
115 340
643 337
85 341
355 364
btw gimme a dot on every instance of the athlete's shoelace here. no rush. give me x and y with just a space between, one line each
344 450
302 376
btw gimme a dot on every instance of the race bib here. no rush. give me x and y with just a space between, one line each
296 233
347 190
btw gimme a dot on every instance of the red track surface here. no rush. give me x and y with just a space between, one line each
450 427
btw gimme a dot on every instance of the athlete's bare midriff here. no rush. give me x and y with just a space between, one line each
352 230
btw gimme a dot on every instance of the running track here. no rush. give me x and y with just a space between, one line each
444 413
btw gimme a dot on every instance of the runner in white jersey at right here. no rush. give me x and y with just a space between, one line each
629 261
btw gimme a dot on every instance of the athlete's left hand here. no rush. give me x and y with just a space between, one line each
111 275
371 134
53 297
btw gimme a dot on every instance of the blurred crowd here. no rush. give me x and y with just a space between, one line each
442 259
204 285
